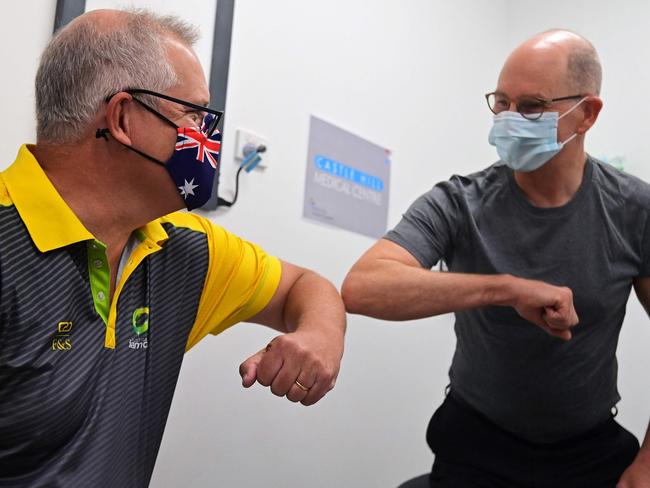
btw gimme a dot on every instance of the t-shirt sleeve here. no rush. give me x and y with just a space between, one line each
634 205
430 225
241 280
644 270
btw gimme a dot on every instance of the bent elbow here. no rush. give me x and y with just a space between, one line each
352 293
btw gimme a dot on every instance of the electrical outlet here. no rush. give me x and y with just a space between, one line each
245 139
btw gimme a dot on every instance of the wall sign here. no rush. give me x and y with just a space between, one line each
347 182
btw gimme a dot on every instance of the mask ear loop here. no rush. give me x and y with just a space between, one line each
103 133
567 113
569 139
572 108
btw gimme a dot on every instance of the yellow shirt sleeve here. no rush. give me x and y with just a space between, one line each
240 282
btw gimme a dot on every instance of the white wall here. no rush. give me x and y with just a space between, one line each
25 29
407 75
619 30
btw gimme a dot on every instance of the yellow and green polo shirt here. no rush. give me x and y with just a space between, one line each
86 381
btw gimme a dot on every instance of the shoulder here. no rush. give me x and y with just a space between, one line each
491 178
474 186
620 188
220 241
189 229
196 223
187 220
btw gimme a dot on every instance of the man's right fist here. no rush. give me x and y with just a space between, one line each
547 306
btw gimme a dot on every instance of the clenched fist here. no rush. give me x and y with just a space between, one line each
301 365
547 306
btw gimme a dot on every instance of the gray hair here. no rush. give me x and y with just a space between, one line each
85 63
584 70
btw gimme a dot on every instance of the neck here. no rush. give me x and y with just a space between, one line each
557 181
110 200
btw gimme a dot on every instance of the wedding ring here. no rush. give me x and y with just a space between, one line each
301 386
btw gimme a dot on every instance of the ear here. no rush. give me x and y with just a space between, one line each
591 108
118 117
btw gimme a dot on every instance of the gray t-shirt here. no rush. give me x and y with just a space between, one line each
534 385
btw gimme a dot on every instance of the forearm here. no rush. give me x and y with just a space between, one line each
393 291
313 304
303 363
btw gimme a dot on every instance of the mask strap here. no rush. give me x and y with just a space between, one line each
568 112
103 134
572 108
569 139
144 155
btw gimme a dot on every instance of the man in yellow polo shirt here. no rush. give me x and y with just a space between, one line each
103 287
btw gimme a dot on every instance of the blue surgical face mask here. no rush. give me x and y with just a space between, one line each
525 145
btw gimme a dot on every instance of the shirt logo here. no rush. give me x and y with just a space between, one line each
64 327
140 320
140 324
62 341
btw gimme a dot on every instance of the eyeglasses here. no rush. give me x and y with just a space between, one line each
530 108
198 110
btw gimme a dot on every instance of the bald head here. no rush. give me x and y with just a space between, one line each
560 57
98 54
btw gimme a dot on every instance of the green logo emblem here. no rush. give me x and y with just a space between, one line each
141 320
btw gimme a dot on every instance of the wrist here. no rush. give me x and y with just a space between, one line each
329 330
503 290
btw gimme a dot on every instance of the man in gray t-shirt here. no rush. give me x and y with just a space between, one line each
543 249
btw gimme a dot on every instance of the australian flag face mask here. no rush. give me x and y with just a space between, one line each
193 165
